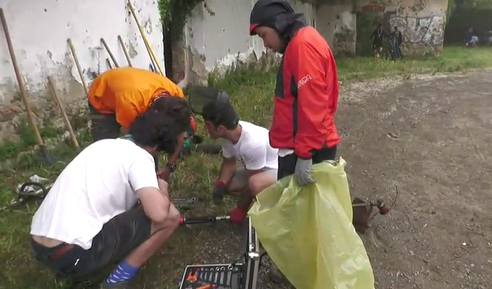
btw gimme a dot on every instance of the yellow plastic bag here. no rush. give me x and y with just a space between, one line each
308 232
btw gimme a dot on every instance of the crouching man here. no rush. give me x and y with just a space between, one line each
244 142
108 206
118 95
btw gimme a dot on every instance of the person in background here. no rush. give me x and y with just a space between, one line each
118 95
108 205
377 38
399 41
247 144
471 38
306 93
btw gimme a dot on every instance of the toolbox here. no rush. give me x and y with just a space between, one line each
212 276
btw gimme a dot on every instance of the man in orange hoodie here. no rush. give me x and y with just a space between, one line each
118 96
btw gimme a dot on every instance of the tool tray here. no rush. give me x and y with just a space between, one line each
212 276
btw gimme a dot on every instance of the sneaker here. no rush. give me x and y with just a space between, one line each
119 285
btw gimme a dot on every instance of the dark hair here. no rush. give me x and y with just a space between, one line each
175 107
221 113
155 129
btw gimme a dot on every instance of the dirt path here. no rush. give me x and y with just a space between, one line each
431 138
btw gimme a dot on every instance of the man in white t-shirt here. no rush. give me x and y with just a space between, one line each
108 206
247 144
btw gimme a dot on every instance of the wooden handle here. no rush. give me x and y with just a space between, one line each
127 56
109 52
153 58
51 84
77 63
20 81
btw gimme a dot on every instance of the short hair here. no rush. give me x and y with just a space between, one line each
220 113
155 129
175 107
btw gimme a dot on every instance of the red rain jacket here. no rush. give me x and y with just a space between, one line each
306 96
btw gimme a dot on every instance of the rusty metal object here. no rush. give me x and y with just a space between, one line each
362 212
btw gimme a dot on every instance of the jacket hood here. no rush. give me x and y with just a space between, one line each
279 15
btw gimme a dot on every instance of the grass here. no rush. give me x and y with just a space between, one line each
252 93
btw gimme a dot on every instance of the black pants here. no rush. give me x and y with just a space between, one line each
103 126
287 164
118 237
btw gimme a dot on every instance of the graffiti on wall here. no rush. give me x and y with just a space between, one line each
427 30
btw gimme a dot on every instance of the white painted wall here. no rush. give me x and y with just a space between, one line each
40 29
334 18
223 37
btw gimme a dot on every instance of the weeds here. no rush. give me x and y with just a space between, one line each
252 92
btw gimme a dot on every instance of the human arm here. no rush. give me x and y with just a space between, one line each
173 159
144 182
227 168
315 102
165 173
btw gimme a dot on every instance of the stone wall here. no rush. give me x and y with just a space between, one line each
422 22
337 24
217 36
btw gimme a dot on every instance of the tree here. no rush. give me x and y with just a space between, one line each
475 4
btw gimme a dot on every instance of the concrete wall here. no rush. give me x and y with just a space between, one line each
217 36
422 21
337 23
39 31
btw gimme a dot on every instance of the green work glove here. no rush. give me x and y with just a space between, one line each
303 172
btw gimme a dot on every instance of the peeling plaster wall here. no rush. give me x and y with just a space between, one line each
337 24
218 40
422 22
39 31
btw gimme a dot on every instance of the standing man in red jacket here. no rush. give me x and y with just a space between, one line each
306 93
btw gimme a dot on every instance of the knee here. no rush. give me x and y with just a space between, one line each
162 185
259 182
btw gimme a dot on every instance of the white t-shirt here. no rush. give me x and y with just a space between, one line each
97 185
253 148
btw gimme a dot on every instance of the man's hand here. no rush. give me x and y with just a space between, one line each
164 174
218 191
303 172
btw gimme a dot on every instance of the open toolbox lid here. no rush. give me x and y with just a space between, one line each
212 276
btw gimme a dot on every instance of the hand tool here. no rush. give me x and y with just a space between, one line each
26 192
109 52
64 113
108 64
23 90
127 56
77 63
153 58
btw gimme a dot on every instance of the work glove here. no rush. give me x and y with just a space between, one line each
218 191
302 172
237 216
